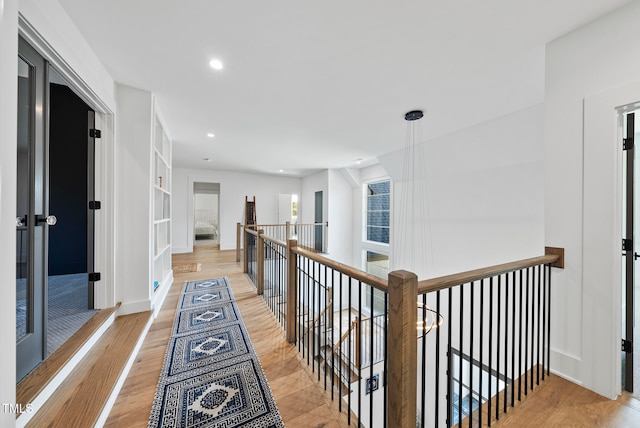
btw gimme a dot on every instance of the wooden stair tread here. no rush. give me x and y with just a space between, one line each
81 397
37 380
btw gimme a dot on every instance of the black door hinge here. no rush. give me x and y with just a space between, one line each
627 245
627 143
627 346
95 133
94 276
94 205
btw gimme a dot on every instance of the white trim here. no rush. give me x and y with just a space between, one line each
602 317
104 229
38 402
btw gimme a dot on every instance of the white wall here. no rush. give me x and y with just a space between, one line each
133 211
483 197
340 218
584 73
53 24
234 186
8 138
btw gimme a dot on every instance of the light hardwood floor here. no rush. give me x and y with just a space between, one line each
301 401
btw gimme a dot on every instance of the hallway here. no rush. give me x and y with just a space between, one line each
302 402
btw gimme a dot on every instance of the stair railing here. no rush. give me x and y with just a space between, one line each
492 323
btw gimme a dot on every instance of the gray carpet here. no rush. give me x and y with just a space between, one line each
68 302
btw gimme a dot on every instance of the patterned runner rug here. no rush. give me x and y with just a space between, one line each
211 375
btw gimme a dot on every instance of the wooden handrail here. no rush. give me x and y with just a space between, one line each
345 335
275 241
367 278
448 281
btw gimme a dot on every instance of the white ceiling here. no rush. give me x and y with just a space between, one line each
310 85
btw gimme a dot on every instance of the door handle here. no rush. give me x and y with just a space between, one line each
636 256
50 220
21 221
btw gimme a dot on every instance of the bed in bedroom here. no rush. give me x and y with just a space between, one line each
205 226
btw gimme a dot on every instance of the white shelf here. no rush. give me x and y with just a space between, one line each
161 180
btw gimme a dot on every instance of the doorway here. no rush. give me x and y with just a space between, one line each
630 294
206 209
318 219
54 221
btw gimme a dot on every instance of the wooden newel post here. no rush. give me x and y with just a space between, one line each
292 275
238 235
245 241
287 231
402 349
260 264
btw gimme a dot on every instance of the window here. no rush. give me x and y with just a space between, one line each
377 216
466 400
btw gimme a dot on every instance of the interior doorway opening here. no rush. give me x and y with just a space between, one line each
629 127
206 211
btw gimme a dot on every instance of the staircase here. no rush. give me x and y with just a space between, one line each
249 211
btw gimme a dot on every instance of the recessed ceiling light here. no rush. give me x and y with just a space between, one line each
282 170
216 64
210 135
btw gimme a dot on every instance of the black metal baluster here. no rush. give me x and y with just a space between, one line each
359 342
520 343
471 335
386 359
461 357
424 359
327 312
538 335
526 333
339 345
449 367
499 309
549 320
544 320
489 408
333 335
349 358
481 346
371 354
513 340
506 341
437 379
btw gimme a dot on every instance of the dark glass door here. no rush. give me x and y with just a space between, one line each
32 218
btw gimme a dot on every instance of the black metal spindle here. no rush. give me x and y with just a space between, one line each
386 359
333 334
471 336
333 348
424 360
461 356
533 327
526 332
359 342
538 335
349 358
449 367
513 339
489 408
548 320
371 356
506 341
520 342
437 361
499 310
481 346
